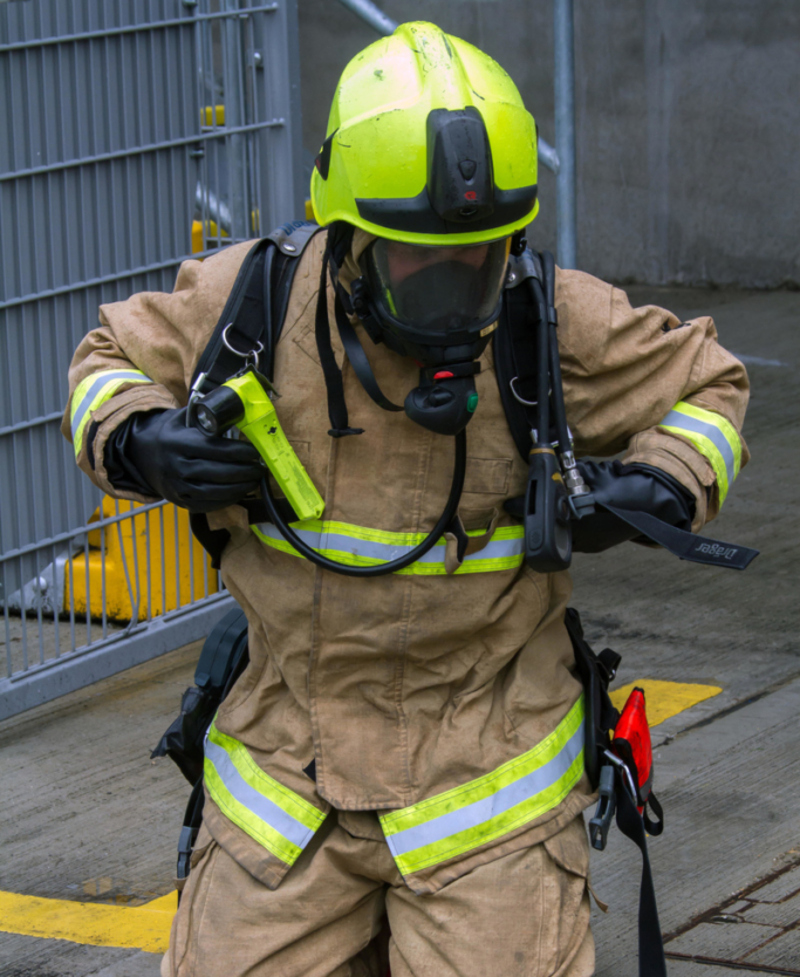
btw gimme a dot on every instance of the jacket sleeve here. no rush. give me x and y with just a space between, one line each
660 391
142 357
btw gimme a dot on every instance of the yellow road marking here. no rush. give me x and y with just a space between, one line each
142 927
147 927
665 699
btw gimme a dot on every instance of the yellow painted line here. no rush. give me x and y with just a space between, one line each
665 699
147 927
136 927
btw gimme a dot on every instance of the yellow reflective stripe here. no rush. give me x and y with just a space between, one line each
467 817
729 432
367 534
363 546
713 436
293 804
233 809
275 816
92 392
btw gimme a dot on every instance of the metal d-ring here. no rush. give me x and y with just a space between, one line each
527 403
251 355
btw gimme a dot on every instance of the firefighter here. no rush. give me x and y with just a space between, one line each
407 746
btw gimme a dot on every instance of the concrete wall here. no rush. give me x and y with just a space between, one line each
688 116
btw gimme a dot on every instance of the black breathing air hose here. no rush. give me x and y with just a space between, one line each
392 566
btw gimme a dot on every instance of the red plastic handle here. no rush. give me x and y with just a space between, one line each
632 743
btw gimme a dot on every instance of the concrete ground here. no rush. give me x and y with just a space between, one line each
87 817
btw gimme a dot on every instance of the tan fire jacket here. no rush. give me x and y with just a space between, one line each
444 696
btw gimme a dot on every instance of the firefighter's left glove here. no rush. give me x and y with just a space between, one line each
155 453
640 488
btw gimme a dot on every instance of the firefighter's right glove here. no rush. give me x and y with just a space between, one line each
155 454
640 488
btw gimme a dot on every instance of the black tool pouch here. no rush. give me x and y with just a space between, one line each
222 661
595 672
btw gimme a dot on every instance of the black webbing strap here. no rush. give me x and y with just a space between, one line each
243 314
687 546
213 541
651 946
516 365
337 407
256 306
192 819
358 358
267 360
255 310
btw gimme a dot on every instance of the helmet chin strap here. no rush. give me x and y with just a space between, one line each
445 399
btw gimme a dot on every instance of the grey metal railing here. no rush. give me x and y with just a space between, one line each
135 132
561 159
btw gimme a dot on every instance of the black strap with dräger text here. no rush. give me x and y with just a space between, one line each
687 546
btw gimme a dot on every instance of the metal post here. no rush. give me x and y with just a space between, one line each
564 44
371 15
233 96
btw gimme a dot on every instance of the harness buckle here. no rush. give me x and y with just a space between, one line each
604 812
186 842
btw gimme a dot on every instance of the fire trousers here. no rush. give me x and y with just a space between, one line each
525 914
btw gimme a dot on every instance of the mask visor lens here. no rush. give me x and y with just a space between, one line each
437 289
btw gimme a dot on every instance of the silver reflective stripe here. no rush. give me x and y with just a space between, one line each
494 549
484 810
711 431
96 387
261 806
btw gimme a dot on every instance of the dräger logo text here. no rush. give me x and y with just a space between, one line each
714 549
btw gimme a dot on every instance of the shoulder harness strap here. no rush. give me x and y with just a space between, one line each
253 316
257 304
515 355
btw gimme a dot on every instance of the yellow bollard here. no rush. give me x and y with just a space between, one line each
166 566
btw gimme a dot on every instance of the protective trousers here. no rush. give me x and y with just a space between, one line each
523 915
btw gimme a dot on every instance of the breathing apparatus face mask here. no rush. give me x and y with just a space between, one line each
436 304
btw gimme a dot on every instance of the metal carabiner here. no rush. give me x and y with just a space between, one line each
250 357
527 403
627 776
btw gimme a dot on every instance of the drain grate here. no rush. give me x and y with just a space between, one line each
757 929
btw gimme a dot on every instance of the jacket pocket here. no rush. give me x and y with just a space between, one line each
487 476
569 849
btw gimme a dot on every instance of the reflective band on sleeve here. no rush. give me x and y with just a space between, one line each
464 818
92 392
361 546
714 437
280 820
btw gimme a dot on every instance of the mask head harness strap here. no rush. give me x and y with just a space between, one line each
337 407
445 398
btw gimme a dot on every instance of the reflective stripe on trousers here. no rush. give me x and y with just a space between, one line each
92 392
714 437
280 820
464 818
361 546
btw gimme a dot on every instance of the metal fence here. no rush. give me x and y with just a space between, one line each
134 132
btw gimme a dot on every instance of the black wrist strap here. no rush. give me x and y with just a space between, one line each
688 546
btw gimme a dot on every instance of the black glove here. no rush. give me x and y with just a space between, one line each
637 487
155 453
